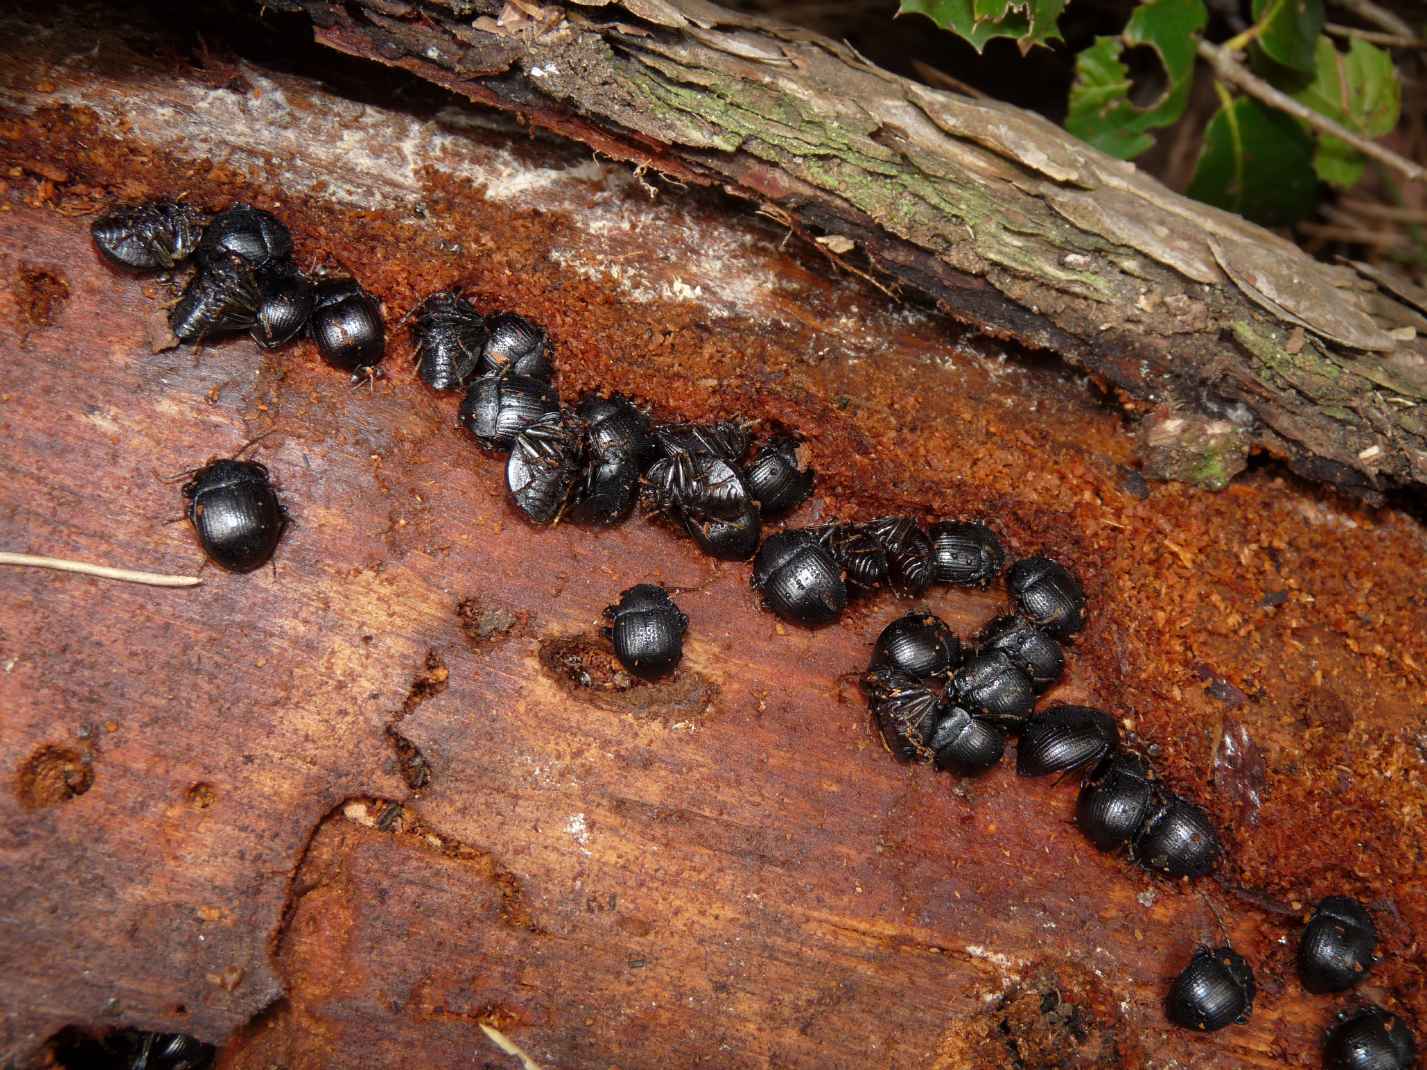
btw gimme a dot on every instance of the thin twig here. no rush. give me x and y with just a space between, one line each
104 572
1387 211
1230 70
510 1047
1377 37
1378 16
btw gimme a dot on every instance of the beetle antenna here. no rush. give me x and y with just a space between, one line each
1223 930
246 446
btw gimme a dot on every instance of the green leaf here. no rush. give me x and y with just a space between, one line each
1028 22
1359 88
1258 162
1101 111
1288 30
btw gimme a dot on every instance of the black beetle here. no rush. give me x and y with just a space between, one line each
346 323
516 346
1177 838
235 513
1336 951
1064 738
909 553
778 484
496 409
725 439
918 643
1216 989
447 334
1369 1038
905 709
1116 802
545 464
148 236
798 579
647 630
130 1049
1030 648
701 484
285 299
857 553
728 539
241 230
964 743
965 554
222 296
994 687
1049 595
619 444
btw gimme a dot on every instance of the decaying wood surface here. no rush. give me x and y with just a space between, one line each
1010 224
341 812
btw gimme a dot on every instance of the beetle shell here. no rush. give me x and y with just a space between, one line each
1030 648
647 630
447 334
285 300
701 485
250 233
516 346
1216 989
148 236
965 744
919 644
727 540
1049 595
798 579
221 297
993 687
1177 838
235 513
346 323
909 553
1116 802
857 553
1064 738
131 1049
727 439
545 464
1336 951
617 428
905 709
496 409
620 443
777 483
1369 1038
965 554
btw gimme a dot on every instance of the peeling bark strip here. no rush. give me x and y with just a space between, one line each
1010 224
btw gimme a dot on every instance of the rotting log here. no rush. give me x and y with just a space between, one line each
1012 226
340 813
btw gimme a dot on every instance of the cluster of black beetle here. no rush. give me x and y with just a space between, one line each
592 464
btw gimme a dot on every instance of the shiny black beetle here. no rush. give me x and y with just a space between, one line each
1216 989
497 408
909 553
965 554
1031 649
857 553
919 644
545 465
448 335
1048 595
130 1049
991 685
1369 1038
515 346
285 300
777 483
620 443
346 323
1116 802
1336 951
223 296
905 709
647 630
1177 838
1065 738
965 743
150 236
798 579
241 230
235 513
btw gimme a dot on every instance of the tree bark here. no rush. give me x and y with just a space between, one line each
1010 225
